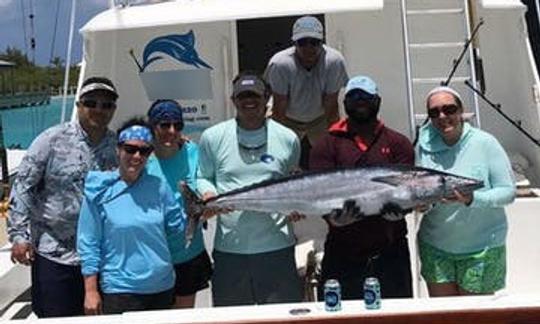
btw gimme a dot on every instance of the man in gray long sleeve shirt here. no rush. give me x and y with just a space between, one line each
46 197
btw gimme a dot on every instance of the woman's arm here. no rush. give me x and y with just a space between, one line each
501 177
92 299
89 236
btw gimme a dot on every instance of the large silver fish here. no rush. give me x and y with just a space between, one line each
360 192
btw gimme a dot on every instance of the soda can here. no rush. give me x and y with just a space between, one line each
332 296
372 293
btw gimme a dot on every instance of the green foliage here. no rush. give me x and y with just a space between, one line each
27 77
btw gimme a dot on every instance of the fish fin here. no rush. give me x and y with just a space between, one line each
190 38
394 208
393 180
194 207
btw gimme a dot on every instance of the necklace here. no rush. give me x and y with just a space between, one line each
251 154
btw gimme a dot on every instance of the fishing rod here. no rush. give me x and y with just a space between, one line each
455 65
498 109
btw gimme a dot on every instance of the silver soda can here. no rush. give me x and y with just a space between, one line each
372 293
332 296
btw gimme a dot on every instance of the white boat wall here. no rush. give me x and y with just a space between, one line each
203 44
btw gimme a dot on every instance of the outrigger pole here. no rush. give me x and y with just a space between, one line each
457 62
498 109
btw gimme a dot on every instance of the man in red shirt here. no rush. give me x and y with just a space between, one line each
374 246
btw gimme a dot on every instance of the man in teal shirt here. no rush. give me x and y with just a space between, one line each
175 159
253 252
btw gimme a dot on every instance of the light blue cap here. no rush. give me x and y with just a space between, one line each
363 83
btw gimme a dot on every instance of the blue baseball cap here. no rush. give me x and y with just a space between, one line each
363 83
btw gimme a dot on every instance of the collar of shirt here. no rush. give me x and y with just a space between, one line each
341 127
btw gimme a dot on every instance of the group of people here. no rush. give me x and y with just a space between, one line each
101 221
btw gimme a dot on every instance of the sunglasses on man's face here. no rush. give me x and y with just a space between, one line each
309 41
132 149
435 112
90 103
359 95
167 125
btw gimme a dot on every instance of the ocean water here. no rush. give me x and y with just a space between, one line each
22 125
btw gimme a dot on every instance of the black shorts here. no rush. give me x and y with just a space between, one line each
193 275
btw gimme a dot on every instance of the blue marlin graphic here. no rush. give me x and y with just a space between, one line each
179 47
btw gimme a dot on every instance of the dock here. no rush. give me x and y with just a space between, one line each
24 100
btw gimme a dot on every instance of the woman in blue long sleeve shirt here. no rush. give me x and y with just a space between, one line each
462 240
125 218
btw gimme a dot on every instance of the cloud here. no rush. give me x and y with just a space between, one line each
5 3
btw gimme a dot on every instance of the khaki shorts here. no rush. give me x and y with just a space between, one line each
313 130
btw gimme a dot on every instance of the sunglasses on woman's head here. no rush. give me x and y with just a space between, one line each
132 149
435 112
309 41
167 125
90 103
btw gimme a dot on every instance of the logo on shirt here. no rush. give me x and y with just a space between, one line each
267 158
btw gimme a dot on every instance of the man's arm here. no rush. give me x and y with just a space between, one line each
30 174
279 107
206 170
331 108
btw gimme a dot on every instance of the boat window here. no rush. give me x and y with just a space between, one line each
259 39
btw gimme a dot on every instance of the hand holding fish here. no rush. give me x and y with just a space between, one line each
295 217
464 198
209 212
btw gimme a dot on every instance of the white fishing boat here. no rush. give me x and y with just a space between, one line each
407 46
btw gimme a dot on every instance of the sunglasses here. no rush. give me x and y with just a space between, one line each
90 103
247 95
359 95
167 125
132 149
435 112
309 41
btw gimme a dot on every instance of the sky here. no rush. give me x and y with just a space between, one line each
12 31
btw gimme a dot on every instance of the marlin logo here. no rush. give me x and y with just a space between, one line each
180 47
192 81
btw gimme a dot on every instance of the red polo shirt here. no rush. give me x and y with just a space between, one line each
339 148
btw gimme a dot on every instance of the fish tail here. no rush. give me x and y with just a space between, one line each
194 207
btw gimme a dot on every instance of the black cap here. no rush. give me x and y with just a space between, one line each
250 83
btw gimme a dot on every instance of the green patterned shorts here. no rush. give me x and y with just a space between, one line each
478 272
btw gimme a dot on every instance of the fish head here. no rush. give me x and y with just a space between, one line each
422 185
431 185
462 184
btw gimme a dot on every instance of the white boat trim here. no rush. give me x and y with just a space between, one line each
186 11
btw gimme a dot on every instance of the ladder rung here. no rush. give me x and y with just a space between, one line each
451 11
437 45
439 80
422 117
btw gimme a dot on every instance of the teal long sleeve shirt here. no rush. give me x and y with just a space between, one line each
225 166
454 227
180 167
